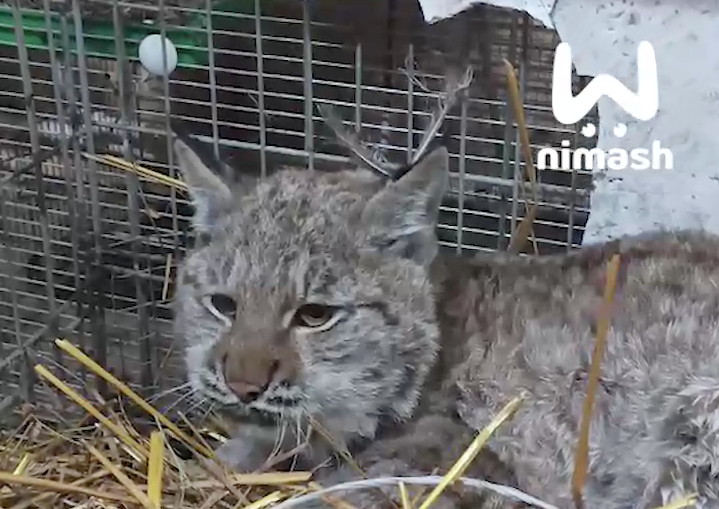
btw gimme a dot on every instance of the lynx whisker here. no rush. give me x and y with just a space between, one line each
197 405
280 437
193 396
209 410
47 358
168 392
298 438
302 434
184 397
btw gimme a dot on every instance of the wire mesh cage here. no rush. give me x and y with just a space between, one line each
88 251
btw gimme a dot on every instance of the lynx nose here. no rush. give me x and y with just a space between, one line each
249 380
246 392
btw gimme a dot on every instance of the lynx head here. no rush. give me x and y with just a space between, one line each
311 294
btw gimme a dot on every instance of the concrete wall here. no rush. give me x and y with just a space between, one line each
604 37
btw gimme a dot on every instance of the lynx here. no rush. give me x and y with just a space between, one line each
324 294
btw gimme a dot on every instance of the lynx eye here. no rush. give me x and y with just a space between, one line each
223 304
315 316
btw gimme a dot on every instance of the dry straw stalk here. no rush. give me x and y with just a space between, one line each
115 463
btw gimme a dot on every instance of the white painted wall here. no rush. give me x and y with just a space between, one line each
603 36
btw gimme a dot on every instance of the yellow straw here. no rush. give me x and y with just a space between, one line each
90 409
155 469
121 164
122 478
472 451
124 389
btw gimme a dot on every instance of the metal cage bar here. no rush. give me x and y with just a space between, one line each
246 84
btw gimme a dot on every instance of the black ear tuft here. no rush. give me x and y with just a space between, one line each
204 152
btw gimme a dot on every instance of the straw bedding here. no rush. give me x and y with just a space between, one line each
107 460
104 460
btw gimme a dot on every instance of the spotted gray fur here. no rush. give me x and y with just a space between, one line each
430 347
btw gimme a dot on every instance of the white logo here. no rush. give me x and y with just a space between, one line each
569 109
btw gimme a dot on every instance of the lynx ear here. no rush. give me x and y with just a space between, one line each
211 196
402 217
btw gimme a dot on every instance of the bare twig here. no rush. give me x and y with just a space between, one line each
455 85
409 63
351 140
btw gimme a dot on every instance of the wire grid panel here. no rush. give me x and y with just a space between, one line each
89 252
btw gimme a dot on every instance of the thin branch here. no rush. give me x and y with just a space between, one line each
350 139
453 88
455 85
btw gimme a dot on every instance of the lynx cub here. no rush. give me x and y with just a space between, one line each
323 294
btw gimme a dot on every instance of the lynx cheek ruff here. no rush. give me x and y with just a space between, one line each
150 54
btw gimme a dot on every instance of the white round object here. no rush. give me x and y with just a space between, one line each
150 53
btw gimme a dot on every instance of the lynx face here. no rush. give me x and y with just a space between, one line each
311 294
